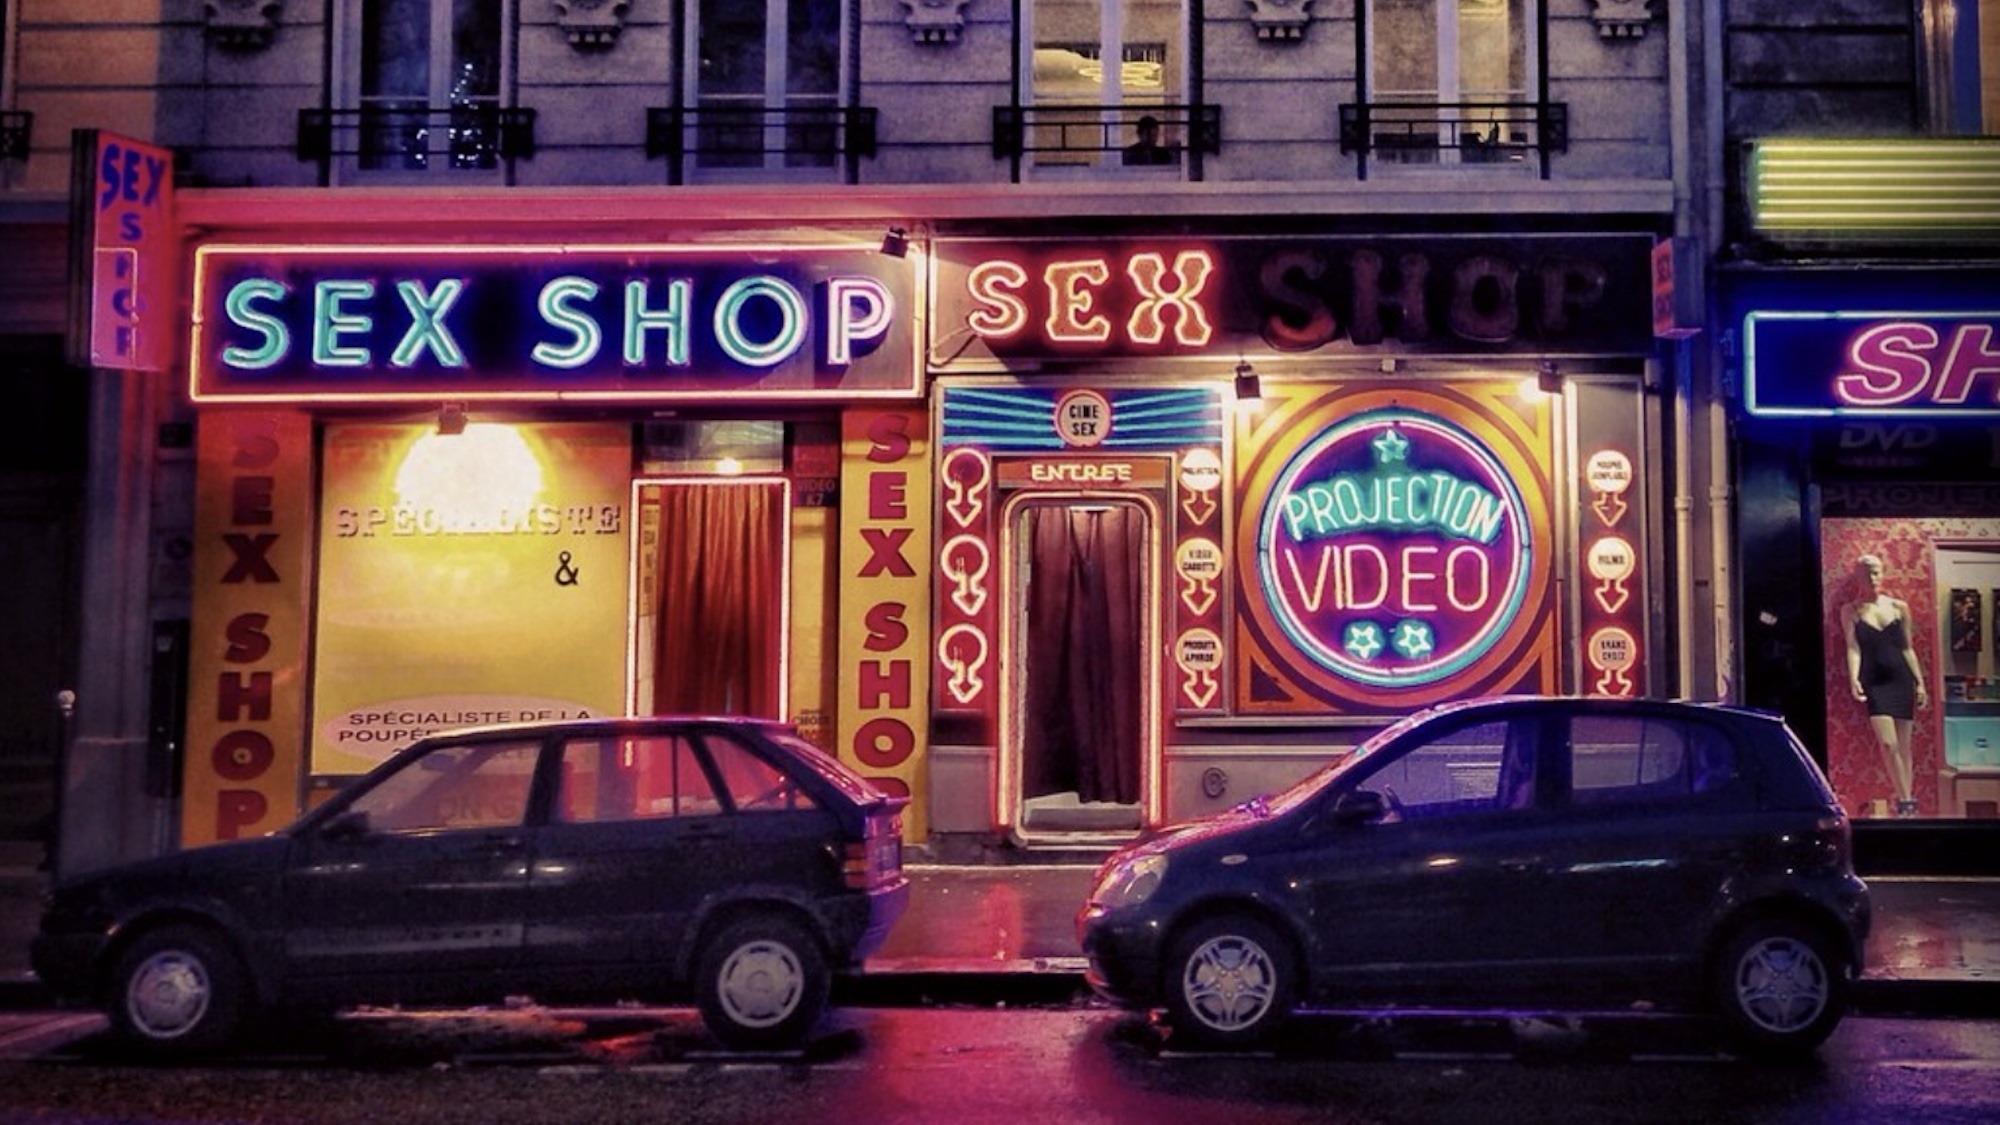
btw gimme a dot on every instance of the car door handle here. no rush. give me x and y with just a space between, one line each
1520 866
500 843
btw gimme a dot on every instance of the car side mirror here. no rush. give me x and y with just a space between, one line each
1361 806
350 825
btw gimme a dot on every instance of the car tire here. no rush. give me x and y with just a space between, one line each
177 992
1781 988
1231 983
762 983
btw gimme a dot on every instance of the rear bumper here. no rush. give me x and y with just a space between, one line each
877 914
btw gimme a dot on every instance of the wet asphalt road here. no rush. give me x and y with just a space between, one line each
1039 1066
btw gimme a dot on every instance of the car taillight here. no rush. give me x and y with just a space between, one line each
877 857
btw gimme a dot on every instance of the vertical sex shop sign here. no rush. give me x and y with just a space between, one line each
122 250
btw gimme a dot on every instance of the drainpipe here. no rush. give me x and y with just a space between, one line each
1721 480
1685 226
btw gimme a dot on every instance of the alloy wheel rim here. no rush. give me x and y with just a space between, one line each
169 994
1230 982
761 983
1782 985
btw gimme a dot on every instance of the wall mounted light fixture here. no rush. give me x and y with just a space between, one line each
1549 378
1249 386
896 242
451 419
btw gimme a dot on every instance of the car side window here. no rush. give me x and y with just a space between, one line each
1478 768
754 784
1616 759
479 785
613 779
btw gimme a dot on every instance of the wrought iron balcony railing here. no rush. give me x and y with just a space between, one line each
1446 133
760 137
17 126
1080 134
412 137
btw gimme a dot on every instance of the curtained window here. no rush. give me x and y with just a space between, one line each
719 598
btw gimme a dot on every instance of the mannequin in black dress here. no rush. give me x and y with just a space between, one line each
1882 672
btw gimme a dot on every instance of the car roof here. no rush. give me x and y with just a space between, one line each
1596 704
603 726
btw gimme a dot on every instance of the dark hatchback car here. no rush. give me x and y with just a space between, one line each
1505 855
718 859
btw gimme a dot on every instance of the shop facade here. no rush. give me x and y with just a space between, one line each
1870 409
1212 509
1063 536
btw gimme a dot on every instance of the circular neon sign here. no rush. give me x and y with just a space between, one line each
1394 549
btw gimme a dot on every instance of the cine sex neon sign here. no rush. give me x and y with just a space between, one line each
1872 363
1394 550
633 323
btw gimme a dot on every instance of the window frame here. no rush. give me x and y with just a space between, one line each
1450 89
1177 85
778 162
348 49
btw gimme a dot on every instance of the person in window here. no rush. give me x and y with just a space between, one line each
1883 673
1147 149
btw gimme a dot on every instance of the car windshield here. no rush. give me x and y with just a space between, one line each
1319 779
856 787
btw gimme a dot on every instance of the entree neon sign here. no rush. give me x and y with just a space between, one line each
1394 550
575 322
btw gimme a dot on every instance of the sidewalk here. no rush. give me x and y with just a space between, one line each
1006 933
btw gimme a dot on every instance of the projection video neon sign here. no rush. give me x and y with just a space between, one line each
638 323
1394 550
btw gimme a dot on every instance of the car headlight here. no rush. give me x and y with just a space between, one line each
1131 882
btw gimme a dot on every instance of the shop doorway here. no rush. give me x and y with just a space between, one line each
712 575
1082 689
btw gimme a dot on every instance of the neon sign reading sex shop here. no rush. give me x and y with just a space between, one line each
638 323
1394 550
1872 363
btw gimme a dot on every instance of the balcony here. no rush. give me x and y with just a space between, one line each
1890 190
1446 134
391 136
1141 135
735 141
16 128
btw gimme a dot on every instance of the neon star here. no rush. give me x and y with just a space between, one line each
1363 640
1414 640
1391 446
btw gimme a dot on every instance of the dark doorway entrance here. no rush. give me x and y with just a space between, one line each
1082 682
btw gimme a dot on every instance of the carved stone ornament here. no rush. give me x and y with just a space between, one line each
242 25
1622 19
1282 20
592 25
935 21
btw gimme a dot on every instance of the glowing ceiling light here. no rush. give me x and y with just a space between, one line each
485 479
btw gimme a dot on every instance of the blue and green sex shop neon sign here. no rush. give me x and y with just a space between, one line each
602 323
1394 550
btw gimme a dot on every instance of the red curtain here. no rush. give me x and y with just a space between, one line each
1084 645
718 642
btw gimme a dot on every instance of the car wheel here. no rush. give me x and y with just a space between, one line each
1233 982
762 983
178 991
1781 988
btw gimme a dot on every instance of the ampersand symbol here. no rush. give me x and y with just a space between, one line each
565 572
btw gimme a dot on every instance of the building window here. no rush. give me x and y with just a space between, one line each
765 81
1451 76
1098 77
427 80
1962 55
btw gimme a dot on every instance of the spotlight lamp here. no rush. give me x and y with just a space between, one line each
1249 387
1548 378
451 419
895 242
